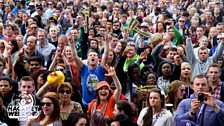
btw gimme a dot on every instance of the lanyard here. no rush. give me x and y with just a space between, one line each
200 112
157 116
188 91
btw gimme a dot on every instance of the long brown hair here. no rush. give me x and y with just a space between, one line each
172 94
55 116
147 118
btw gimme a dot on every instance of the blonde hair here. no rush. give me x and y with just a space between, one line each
155 39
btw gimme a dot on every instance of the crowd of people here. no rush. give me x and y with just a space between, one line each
121 62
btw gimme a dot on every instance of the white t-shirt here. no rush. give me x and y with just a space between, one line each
165 118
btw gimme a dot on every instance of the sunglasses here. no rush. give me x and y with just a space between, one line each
116 25
182 90
181 21
46 103
63 91
60 70
34 27
218 38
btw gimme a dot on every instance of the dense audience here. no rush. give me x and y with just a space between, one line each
111 63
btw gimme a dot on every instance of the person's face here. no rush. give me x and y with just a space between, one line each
92 58
160 26
208 15
64 94
53 32
151 79
93 44
74 34
110 56
39 12
10 46
199 32
60 68
144 29
180 51
9 17
119 47
125 5
47 106
113 42
68 52
34 65
181 92
109 24
41 37
155 100
213 32
116 26
19 41
103 93
33 27
5 87
116 10
203 54
135 74
27 87
61 43
200 85
186 71
219 28
213 74
181 21
31 43
203 42
166 69
81 122
30 21
171 55
115 123
171 33
131 52
2 48
8 31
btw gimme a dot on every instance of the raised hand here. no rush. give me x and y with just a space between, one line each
111 71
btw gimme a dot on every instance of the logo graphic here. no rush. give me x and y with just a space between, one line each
23 108
92 82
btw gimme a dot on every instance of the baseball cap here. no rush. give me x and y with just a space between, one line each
101 84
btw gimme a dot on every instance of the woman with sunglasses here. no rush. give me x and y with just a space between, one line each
67 106
101 109
155 114
50 113
176 93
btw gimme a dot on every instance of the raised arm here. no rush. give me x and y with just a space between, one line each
106 49
53 63
190 51
112 73
78 61
218 53
156 53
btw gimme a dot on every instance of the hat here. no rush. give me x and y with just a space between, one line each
99 35
140 7
101 84
145 24
158 9
31 4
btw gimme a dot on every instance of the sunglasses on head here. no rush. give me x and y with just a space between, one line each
63 91
46 103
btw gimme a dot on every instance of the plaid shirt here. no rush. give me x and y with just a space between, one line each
217 91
